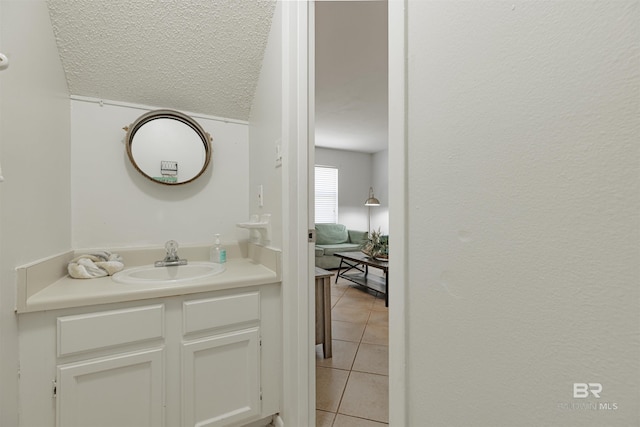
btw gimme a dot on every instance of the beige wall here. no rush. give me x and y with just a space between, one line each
115 206
354 180
35 155
265 132
357 173
523 201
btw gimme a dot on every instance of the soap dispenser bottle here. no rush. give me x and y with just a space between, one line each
218 253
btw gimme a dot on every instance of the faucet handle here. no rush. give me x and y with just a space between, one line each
171 259
172 247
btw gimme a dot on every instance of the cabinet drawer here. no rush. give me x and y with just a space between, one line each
93 331
203 314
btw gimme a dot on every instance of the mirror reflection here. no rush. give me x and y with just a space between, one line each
168 147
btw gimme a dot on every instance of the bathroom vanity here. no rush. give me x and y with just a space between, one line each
206 352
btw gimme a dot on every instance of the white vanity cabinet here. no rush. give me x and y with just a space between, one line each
221 369
205 359
119 387
119 390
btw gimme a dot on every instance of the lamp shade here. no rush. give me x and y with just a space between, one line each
372 201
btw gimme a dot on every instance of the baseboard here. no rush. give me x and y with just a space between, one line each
270 421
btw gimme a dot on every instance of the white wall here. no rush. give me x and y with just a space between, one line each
34 150
114 206
265 132
354 180
523 202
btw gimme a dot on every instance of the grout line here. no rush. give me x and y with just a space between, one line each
341 397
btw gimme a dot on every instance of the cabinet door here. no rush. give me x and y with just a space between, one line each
221 379
121 390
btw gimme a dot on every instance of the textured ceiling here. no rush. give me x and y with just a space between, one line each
351 75
204 56
192 55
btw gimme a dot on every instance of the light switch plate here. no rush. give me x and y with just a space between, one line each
278 154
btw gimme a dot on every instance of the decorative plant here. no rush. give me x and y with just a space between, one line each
376 245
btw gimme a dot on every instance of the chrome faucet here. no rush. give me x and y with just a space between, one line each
172 258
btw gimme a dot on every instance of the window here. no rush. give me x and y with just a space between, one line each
326 195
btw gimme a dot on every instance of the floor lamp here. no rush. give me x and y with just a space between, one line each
371 201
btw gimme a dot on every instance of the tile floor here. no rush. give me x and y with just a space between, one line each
352 388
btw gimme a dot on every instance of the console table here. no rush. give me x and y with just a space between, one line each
323 311
361 262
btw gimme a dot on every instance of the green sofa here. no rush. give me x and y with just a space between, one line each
332 238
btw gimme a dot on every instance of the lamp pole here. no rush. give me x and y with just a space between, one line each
371 201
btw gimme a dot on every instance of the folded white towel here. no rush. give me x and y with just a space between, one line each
97 264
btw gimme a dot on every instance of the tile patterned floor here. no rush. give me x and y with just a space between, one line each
352 388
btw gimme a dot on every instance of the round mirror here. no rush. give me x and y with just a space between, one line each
168 147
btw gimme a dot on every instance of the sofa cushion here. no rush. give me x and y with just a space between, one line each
329 234
329 250
356 236
319 251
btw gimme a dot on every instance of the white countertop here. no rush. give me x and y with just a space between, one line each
67 292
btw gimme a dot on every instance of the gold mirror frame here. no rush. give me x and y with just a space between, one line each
172 115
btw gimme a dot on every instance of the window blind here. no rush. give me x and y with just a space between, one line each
326 191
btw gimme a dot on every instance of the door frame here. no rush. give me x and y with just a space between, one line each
298 66
298 403
398 213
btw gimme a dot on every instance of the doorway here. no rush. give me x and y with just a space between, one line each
351 134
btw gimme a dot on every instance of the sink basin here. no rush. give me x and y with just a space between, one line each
175 274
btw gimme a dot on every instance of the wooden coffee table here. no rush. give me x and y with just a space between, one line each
361 263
